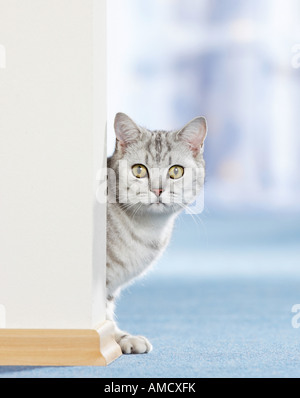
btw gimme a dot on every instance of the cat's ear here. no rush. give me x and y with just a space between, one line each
194 134
127 132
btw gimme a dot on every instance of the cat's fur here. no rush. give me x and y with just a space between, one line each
139 227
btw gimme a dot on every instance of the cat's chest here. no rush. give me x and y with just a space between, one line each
146 242
139 241
132 246
143 248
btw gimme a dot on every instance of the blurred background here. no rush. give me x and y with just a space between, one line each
236 62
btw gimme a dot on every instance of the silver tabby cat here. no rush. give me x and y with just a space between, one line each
152 177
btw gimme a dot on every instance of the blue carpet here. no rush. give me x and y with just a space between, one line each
202 328
218 304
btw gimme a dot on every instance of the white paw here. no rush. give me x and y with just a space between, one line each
135 345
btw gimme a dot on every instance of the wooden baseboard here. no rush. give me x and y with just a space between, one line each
58 347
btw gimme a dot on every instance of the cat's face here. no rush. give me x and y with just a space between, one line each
159 171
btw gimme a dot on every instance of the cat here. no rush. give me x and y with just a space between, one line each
152 177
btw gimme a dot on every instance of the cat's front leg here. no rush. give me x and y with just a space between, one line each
129 344
132 344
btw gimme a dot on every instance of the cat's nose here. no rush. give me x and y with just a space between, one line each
157 192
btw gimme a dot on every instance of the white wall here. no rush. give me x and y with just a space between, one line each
52 141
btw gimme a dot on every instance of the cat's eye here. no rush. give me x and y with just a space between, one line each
139 171
176 172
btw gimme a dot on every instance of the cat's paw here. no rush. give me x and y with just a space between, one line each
134 345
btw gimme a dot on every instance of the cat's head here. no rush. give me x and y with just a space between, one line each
158 171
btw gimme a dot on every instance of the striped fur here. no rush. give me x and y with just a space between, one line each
138 228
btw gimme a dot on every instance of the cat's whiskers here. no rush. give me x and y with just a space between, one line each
135 212
131 209
196 217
